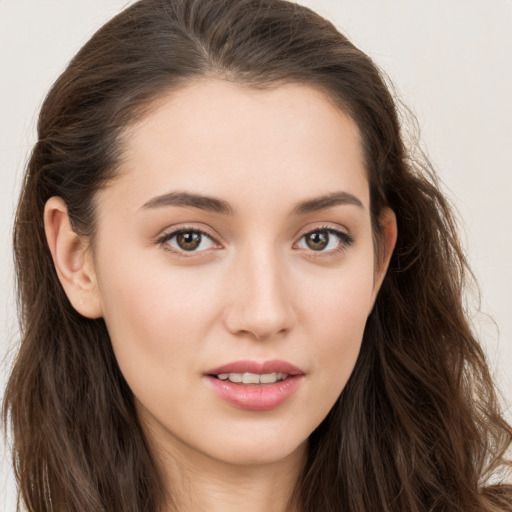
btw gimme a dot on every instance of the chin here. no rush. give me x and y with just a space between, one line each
261 454
261 447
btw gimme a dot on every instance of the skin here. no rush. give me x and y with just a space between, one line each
254 289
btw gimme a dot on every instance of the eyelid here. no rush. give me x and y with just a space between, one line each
345 240
345 237
168 235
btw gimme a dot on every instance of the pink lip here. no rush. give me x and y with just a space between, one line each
255 397
274 365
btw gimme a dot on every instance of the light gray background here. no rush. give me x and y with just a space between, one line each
450 61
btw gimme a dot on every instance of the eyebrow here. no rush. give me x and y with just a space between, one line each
188 199
326 201
213 204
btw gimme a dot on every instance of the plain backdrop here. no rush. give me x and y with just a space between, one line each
450 63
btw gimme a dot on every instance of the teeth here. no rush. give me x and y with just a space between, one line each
253 378
268 378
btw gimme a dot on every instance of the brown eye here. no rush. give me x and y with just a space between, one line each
317 240
325 240
187 240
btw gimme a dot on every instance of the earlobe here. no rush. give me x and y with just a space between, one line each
388 225
72 259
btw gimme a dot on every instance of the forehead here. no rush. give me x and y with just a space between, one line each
221 138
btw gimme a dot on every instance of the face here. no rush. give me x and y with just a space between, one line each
236 244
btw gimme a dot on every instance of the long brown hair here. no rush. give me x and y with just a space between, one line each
418 426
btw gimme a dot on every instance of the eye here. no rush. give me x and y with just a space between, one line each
327 240
187 240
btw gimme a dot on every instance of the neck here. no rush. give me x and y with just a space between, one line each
195 482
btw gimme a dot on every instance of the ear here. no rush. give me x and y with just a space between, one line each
72 259
387 222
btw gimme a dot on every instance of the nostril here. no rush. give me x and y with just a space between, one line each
260 316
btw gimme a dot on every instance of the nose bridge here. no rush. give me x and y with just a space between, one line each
260 302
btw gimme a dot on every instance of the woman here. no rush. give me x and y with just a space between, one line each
238 290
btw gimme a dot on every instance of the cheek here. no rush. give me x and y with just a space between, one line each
337 318
156 317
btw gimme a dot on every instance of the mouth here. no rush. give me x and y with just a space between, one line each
253 372
252 378
255 386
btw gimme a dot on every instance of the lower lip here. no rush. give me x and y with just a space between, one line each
255 397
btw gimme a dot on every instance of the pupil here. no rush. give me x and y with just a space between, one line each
318 240
189 241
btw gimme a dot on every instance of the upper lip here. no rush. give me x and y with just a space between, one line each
247 366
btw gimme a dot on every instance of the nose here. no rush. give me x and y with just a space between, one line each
260 302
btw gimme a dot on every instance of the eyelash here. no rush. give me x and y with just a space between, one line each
345 241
